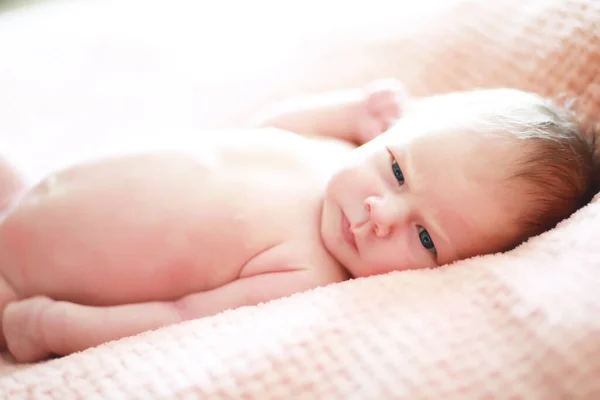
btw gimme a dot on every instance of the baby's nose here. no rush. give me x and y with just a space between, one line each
384 214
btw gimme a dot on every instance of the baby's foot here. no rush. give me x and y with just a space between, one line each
22 325
384 103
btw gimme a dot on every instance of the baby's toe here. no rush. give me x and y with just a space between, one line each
21 325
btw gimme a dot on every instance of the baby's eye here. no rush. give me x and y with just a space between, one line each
397 172
426 240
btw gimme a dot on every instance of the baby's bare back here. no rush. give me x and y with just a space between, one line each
162 224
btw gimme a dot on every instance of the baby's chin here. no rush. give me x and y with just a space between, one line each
336 248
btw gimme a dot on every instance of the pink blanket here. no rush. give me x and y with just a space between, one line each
524 324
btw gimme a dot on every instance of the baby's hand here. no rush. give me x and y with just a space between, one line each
384 103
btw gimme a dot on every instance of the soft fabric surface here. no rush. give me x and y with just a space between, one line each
519 325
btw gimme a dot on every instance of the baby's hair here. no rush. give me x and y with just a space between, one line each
557 163
560 165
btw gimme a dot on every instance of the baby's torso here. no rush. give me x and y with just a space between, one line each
162 224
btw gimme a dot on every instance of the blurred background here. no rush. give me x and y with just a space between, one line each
84 74
77 75
11 4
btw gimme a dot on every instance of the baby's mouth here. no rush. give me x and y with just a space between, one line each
347 233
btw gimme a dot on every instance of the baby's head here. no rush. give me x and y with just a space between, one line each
460 175
554 163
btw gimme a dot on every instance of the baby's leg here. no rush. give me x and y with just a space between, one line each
38 327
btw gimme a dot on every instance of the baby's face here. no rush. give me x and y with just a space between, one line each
419 196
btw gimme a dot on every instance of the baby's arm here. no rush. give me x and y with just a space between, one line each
38 327
354 115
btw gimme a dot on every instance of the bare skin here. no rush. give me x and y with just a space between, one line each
120 245
125 244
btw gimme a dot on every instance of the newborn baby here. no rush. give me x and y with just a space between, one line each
127 243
